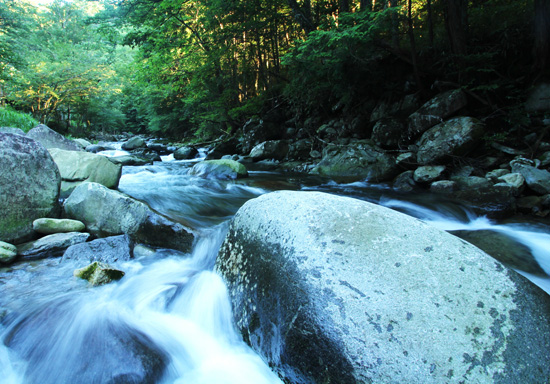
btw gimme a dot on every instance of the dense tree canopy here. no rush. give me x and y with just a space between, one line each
203 67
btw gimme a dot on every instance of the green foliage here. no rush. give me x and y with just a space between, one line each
12 118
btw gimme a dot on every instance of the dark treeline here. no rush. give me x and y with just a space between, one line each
202 68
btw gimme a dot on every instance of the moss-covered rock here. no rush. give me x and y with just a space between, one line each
99 273
8 252
219 169
48 226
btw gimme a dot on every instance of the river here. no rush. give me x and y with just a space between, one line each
169 319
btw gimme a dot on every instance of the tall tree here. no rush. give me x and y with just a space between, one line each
457 25
542 36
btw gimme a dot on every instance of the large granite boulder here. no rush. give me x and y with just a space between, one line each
109 213
356 162
51 139
436 110
456 137
29 185
331 289
79 167
219 169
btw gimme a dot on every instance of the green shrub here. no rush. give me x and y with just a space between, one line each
12 118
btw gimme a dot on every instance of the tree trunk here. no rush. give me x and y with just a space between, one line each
394 23
542 36
414 56
430 23
457 25
302 14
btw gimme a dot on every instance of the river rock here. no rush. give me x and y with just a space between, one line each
129 160
331 289
456 137
299 149
14 131
51 139
219 169
99 273
47 226
356 162
79 167
95 148
8 252
515 180
387 133
436 110
493 201
134 143
51 245
495 174
185 153
429 173
29 185
537 179
443 186
83 143
110 213
272 149
106 250
404 182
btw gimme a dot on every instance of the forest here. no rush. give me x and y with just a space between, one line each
200 69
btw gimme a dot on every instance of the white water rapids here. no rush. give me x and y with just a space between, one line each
169 319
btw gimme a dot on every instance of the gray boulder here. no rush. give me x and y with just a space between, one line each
48 226
29 185
129 160
387 133
51 139
404 182
51 245
80 167
185 153
330 289
8 252
15 131
443 186
537 179
356 162
436 110
107 250
272 149
110 213
134 143
299 149
99 273
513 180
95 148
219 169
456 137
82 142
429 173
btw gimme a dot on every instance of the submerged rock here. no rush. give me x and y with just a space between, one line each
333 289
219 169
8 252
47 226
51 245
99 273
29 182
79 167
109 213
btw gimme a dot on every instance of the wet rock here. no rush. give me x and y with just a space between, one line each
504 249
51 245
471 182
109 213
404 182
134 143
256 131
47 226
185 153
99 273
30 180
406 160
443 186
513 180
492 201
387 133
537 179
79 167
436 110
51 139
106 250
333 289
429 173
356 162
219 169
95 148
8 252
272 149
129 160
456 137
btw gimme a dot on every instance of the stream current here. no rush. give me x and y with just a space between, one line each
169 319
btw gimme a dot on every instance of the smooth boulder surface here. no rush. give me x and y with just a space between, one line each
330 289
356 162
107 250
185 153
29 186
79 167
219 169
47 226
455 137
51 139
51 245
8 252
134 143
109 213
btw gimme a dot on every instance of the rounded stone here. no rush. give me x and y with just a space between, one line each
48 226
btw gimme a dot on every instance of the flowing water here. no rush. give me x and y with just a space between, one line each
169 319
